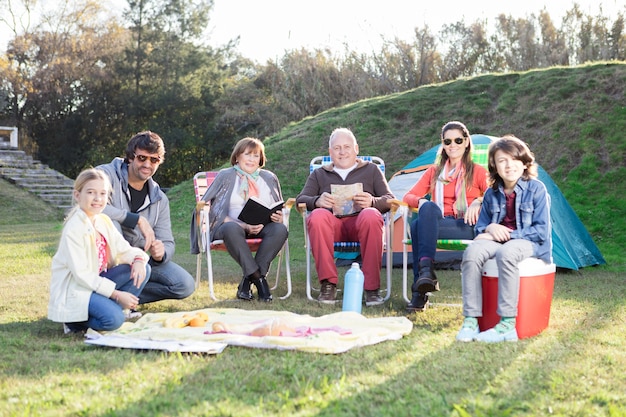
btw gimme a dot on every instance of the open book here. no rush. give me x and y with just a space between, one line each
344 195
256 212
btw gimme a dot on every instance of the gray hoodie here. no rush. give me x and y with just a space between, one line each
156 210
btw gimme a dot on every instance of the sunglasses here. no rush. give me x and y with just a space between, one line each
458 141
144 158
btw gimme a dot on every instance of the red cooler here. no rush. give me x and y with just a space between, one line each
535 296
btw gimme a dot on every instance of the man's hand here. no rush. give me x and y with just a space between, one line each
147 232
363 200
277 217
326 200
157 250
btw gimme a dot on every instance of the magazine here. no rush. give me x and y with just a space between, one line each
256 212
344 195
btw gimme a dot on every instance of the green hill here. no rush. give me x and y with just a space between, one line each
573 119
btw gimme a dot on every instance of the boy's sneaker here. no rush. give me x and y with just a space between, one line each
328 293
469 330
373 298
502 332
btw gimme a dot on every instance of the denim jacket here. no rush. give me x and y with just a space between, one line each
532 214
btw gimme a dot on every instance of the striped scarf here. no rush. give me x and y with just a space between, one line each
248 187
448 175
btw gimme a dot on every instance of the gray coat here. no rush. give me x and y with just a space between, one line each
218 195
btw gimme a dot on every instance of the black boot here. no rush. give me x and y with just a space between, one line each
262 288
243 290
427 280
418 302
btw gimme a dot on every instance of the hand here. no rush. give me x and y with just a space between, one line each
253 229
363 200
472 213
126 299
498 232
147 232
326 200
138 273
421 202
277 217
157 250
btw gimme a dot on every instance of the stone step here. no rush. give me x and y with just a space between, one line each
37 178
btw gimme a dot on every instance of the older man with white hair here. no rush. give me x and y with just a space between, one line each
365 225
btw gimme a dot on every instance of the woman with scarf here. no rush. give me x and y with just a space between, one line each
456 186
228 194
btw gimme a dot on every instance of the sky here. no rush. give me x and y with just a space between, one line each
268 28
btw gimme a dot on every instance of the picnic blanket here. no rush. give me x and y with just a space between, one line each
332 333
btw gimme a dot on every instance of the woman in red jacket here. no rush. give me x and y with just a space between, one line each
456 185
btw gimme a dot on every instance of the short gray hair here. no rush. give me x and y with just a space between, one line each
341 131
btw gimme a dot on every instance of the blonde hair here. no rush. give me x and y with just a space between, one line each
83 178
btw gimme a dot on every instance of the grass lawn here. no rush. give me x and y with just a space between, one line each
575 367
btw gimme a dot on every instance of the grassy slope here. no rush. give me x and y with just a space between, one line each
575 367
573 119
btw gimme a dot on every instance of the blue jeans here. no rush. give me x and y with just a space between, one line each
430 226
104 313
167 281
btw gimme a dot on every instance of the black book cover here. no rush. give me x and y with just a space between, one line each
255 212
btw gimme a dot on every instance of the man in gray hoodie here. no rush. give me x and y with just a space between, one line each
141 210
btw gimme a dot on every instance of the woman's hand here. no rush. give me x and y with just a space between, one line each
277 217
253 229
472 212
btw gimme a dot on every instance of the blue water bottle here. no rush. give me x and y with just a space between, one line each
353 289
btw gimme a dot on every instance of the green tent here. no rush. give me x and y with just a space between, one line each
572 246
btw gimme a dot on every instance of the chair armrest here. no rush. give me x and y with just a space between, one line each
396 204
301 207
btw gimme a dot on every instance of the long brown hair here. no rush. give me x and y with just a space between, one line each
466 160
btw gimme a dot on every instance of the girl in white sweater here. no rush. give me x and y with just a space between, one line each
95 272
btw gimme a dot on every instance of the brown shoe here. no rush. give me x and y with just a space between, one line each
373 298
328 292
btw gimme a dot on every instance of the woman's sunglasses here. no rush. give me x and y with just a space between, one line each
458 141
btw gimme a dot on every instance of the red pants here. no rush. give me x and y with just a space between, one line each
366 228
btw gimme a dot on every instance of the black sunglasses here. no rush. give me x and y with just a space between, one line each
458 141
144 158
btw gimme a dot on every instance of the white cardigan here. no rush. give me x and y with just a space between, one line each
75 269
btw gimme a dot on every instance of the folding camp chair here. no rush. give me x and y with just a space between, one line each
479 156
201 182
346 250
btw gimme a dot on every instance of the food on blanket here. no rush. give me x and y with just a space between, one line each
175 322
219 327
273 327
194 320
197 321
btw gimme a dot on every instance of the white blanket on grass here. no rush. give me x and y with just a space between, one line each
332 333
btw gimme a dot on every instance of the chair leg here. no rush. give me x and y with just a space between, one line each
198 269
210 268
308 269
287 271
